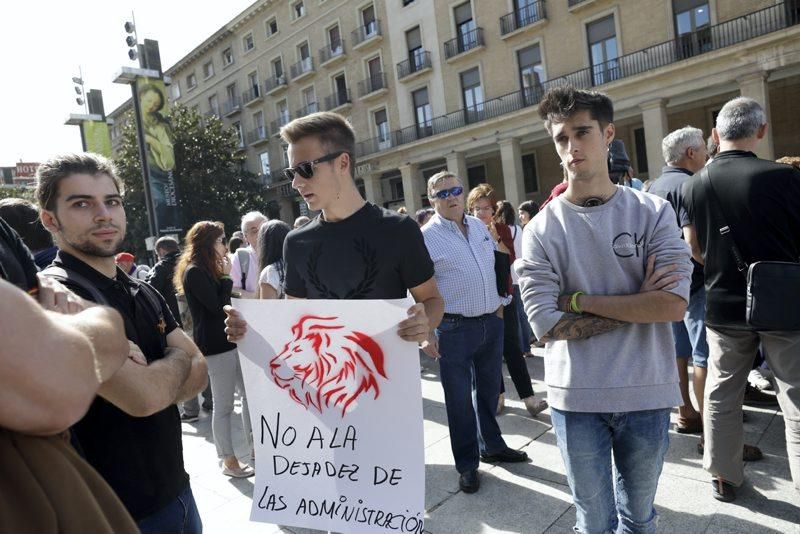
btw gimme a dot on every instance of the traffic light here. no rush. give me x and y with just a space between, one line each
131 40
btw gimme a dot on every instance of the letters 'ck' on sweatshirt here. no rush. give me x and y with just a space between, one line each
603 250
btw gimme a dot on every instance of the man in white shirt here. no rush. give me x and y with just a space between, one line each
244 267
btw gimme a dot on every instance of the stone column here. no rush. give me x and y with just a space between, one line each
412 187
457 164
654 116
755 86
513 177
372 188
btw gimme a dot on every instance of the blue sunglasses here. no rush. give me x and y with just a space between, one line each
444 193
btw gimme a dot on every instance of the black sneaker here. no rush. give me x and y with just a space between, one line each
754 397
186 418
469 482
722 490
506 455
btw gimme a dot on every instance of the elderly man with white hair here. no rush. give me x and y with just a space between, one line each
244 267
684 150
757 202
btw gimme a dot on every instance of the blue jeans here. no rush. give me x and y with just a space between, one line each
178 517
471 352
638 442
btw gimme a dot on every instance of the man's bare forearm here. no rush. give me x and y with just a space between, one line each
105 330
583 326
648 307
434 310
197 379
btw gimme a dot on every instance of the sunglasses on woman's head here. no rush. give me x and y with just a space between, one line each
306 168
453 191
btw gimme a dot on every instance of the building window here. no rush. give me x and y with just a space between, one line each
277 68
309 100
471 90
423 114
602 37
407 2
231 92
237 128
208 70
252 81
692 27
368 18
334 40
258 124
175 89
213 104
283 112
416 55
531 72
382 128
191 81
298 10
264 159
271 26
529 173
465 27
340 90
227 56
285 149
476 176
641 150
248 43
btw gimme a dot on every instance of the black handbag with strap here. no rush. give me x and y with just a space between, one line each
773 287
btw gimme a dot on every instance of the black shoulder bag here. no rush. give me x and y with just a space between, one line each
773 287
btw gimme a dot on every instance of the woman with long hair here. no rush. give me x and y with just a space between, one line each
203 275
481 203
271 236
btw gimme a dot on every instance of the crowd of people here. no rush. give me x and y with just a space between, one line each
621 287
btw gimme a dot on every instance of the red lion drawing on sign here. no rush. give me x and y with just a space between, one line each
325 366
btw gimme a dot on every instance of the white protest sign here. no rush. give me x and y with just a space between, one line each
336 406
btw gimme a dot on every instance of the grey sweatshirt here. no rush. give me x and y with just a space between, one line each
603 251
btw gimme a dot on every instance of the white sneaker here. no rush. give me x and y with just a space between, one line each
759 379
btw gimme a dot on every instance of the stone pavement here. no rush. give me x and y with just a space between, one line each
531 497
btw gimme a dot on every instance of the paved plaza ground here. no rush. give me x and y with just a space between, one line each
531 497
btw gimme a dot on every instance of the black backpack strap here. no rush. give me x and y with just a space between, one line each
69 277
725 231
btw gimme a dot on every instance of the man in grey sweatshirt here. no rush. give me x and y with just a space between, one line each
603 273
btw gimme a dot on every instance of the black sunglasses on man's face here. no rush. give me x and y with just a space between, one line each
306 168
444 193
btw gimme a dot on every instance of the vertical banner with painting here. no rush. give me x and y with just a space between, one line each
153 108
336 405
96 137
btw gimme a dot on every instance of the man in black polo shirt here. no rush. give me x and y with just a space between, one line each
132 432
759 201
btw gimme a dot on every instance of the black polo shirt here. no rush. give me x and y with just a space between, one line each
141 458
16 262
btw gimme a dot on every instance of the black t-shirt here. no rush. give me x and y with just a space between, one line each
760 201
669 186
373 254
16 263
206 297
141 458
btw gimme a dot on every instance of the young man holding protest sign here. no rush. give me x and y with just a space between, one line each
354 249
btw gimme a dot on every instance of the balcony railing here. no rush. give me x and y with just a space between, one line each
312 107
304 66
257 135
366 32
525 16
729 33
231 106
251 95
274 83
464 43
419 61
275 177
331 51
376 82
337 99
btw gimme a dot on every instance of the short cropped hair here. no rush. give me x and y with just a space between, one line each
250 217
331 129
51 172
440 176
740 118
675 144
560 103
478 192
712 147
167 244
23 217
